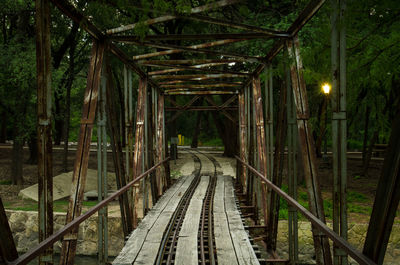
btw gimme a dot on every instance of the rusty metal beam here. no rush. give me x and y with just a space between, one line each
243 140
116 145
316 222
308 155
160 173
196 76
199 67
82 154
201 108
189 86
69 10
201 92
262 152
190 61
212 36
308 12
139 148
74 224
223 111
170 17
173 49
44 139
268 32
186 106
277 160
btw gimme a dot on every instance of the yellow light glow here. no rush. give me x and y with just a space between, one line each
326 88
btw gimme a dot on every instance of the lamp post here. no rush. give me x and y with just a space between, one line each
326 89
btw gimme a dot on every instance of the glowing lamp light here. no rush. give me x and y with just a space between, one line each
326 88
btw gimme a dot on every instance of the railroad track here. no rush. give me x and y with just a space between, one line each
206 245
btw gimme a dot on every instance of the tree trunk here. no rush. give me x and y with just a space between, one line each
195 139
369 153
33 149
3 127
17 159
366 125
58 119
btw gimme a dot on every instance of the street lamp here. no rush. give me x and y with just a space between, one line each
326 88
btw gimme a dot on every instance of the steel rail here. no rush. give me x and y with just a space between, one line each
206 213
42 246
176 221
322 227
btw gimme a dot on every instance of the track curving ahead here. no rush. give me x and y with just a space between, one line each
206 246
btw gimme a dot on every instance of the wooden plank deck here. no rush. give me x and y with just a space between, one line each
144 237
233 246
187 250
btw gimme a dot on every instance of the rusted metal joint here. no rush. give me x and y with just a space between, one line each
87 121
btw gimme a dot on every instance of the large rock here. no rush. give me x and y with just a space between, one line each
62 185
24 226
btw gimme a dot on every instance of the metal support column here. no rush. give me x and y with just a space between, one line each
160 172
139 141
115 130
262 153
321 243
276 178
269 115
292 171
339 126
243 143
82 155
128 107
102 244
45 150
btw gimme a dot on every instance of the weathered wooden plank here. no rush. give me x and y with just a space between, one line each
240 239
223 242
148 253
137 238
186 251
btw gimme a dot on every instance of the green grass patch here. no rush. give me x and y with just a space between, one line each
5 182
355 208
353 196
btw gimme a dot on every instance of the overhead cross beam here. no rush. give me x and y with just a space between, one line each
170 17
69 10
209 36
197 76
199 67
198 48
308 12
190 61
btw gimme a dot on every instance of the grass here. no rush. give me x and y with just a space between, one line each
58 206
5 182
354 204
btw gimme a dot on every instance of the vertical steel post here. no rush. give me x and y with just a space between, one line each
45 170
321 243
146 152
128 95
292 170
262 152
82 158
269 129
139 149
115 130
243 144
102 172
339 126
160 171
277 172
